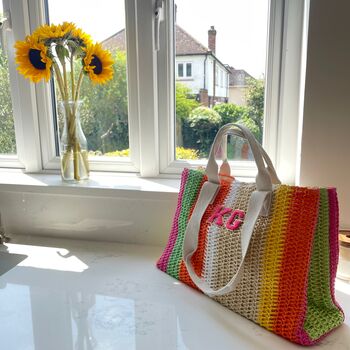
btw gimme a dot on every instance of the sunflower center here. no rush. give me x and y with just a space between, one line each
97 63
35 59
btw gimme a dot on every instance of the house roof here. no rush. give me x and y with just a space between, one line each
238 77
115 42
186 44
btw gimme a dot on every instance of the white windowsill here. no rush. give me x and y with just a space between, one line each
99 184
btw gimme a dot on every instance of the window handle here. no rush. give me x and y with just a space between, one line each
158 17
5 25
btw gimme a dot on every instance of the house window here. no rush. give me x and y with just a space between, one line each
184 70
188 70
180 70
7 128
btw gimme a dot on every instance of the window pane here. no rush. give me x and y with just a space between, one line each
188 69
180 71
227 50
7 129
104 115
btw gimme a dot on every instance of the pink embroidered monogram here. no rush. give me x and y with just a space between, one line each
233 222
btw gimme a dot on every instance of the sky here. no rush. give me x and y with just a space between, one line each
241 25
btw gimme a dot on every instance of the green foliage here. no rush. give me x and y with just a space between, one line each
202 124
186 153
204 117
255 96
185 102
230 113
7 129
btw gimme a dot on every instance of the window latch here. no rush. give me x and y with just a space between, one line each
158 17
5 25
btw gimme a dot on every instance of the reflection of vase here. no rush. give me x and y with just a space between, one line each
73 150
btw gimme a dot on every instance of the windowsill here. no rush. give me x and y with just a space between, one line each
105 184
113 294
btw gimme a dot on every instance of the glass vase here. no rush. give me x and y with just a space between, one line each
73 144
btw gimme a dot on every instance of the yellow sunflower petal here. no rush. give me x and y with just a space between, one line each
98 64
81 35
31 57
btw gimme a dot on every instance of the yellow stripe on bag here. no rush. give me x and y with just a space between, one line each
272 256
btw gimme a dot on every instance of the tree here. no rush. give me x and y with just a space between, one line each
185 104
7 129
230 112
205 123
255 103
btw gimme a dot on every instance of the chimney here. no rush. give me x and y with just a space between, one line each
212 39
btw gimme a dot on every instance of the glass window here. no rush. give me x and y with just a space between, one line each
104 115
188 69
180 70
7 129
223 51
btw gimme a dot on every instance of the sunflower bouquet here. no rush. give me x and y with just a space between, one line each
58 50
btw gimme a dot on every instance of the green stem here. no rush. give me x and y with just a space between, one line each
65 78
59 78
72 75
80 79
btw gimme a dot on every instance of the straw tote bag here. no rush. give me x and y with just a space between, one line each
264 250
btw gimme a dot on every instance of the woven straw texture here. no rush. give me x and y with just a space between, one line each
288 280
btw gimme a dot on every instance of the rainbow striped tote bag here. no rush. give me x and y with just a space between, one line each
264 250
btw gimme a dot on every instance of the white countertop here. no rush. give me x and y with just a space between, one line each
80 295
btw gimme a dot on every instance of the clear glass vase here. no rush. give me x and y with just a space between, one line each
73 145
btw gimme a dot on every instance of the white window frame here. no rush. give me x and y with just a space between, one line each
151 77
184 67
33 113
286 58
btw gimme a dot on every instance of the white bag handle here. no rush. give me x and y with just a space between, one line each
225 167
259 202
263 180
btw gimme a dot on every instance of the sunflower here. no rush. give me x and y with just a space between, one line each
32 59
83 38
98 63
53 31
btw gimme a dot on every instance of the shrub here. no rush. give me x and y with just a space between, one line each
186 153
229 112
203 123
123 153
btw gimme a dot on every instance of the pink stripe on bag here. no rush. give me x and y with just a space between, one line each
333 239
164 259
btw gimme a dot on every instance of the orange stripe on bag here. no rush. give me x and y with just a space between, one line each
296 259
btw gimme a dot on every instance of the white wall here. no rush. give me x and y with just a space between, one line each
196 82
325 147
126 216
220 90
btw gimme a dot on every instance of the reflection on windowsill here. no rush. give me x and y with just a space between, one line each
342 286
47 258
